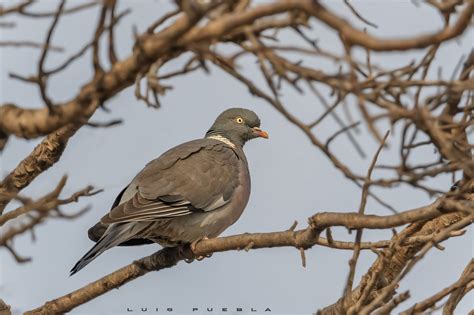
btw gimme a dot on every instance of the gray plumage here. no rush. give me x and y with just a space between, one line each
194 190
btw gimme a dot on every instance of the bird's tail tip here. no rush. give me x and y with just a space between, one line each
110 239
92 254
79 265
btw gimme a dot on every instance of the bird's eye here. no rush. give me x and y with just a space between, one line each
239 120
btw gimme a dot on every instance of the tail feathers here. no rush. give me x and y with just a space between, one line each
115 234
98 230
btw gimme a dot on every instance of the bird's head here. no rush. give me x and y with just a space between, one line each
237 125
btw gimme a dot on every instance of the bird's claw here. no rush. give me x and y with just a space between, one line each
194 244
185 254
193 249
199 258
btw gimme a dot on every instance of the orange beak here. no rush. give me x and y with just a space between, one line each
260 133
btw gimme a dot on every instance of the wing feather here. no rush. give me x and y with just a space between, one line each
200 175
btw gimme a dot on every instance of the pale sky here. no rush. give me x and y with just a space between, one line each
291 180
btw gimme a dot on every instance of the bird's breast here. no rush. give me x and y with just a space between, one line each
218 220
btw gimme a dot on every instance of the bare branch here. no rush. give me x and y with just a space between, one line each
466 277
358 238
41 76
358 14
30 44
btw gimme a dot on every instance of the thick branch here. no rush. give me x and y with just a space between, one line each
43 157
162 259
170 256
4 308
322 220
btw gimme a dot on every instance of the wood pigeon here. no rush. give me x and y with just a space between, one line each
193 191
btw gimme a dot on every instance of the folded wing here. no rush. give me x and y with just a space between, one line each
200 175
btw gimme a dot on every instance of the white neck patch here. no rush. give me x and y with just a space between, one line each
222 139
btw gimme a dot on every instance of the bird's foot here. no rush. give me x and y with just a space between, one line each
193 249
183 251
199 258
